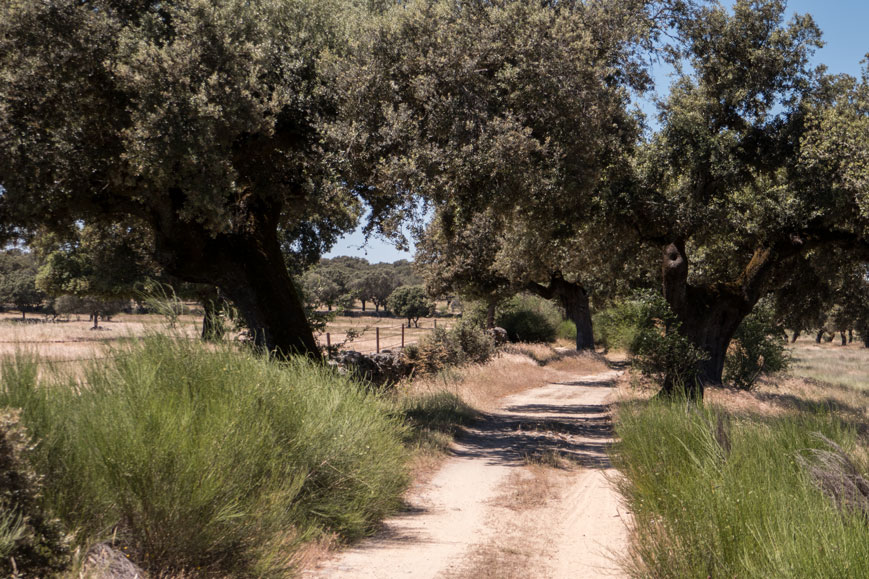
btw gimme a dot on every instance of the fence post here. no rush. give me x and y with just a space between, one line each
435 323
377 336
402 336
328 345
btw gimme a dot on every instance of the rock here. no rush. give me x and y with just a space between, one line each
498 335
105 562
380 369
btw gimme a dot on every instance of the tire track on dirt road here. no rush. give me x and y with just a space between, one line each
495 509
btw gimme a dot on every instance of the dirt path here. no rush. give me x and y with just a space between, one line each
526 494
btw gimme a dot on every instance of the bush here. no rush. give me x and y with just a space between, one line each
207 456
645 326
29 535
529 318
759 347
566 330
462 344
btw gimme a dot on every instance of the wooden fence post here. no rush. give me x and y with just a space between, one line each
435 323
402 335
328 344
377 336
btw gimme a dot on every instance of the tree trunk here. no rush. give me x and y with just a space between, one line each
708 316
249 269
850 335
796 335
574 299
212 326
844 338
490 315
23 314
819 336
96 318
363 305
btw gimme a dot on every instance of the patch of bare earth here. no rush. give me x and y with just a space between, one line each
525 492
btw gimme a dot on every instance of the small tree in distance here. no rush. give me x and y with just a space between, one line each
410 302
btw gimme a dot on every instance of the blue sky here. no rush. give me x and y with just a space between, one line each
845 24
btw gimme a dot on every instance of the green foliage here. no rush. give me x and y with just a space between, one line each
208 456
528 318
18 273
410 302
464 343
647 329
758 347
32 541
434 419
715 495
566 330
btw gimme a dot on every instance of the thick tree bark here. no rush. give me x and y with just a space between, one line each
708 316
212 327
795 336
818 337
574 299
247 266
490 315
844 338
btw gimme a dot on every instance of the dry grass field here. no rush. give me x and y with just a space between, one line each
832 363
74 339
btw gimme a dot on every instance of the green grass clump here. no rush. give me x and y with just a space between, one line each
207 457
434 419
719 496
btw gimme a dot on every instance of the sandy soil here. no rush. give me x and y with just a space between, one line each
526 494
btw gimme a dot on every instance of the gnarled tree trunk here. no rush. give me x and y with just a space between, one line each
574 299
248 267
708 316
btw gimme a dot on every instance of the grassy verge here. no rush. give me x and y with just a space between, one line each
722 494
208 460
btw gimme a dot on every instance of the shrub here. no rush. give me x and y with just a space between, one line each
759 347
528 318
32 541
645 326
476 345
464 343
566 330
209 456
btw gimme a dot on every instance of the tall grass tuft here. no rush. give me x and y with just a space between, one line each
207 457
714 495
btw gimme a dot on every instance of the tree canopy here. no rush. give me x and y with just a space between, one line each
199 118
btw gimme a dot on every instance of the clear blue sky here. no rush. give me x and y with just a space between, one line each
845 24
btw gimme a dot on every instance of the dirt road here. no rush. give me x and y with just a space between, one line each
526 494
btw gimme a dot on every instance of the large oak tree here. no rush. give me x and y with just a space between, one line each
760 159
199 118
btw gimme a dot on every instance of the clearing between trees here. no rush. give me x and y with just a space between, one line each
524 493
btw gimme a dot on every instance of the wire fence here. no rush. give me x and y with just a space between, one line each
376 339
